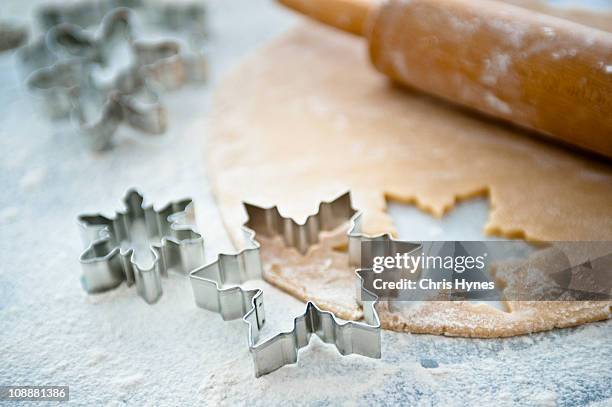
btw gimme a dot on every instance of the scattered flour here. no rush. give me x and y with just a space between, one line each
495 66
544 398
549 32
464 25
513 32
399 63
32 179
497 104
8 214
128 382
435 231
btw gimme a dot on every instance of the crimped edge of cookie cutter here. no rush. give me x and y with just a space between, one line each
106 265
349 337
12 35
174 16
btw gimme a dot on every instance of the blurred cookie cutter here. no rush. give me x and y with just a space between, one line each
62 67
176 17
190 18
12 35
110 258
173 16
209 284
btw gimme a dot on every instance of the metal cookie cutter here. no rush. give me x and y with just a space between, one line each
11 35
67 88
187 18
209 282
139 246
72 72
179 16
65 56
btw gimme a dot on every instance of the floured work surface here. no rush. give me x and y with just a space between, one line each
307 117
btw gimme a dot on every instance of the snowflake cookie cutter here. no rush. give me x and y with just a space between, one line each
12 35
209 284
110 257
63 67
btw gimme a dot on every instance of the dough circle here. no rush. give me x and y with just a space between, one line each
307 117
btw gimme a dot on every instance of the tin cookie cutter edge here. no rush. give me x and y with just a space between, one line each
106 264
349 337
12 35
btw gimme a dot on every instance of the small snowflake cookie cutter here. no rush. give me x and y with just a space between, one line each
110 257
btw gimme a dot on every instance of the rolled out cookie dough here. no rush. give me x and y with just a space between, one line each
323 276
307 117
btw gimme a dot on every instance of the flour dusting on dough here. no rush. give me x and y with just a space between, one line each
269 147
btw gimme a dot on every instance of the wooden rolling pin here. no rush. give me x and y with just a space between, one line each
534 70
